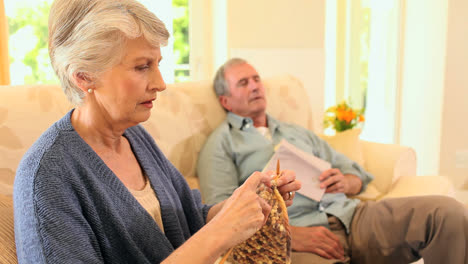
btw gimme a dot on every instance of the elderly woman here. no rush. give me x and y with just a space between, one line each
95 187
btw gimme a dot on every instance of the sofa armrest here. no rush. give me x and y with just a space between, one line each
388 162
421 185
7 236
370 194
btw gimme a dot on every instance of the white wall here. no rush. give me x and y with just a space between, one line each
282 37
201 40
454 126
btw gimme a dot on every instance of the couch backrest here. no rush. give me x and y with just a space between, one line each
184 116
25 113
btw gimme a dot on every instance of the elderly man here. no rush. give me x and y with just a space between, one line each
336 229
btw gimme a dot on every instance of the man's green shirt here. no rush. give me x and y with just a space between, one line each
236 149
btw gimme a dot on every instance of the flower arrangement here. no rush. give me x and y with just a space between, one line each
342 117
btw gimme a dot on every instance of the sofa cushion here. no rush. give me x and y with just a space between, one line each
172 125
205 103
7 237
347 143
288 101
25 113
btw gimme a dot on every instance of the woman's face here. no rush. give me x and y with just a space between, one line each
125 93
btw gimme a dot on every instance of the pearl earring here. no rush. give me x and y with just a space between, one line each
90 90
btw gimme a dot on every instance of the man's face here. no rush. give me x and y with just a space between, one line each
247 95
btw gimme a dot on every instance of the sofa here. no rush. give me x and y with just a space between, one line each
183 117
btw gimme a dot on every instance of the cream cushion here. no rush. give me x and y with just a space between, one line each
347 143
25 112
419 186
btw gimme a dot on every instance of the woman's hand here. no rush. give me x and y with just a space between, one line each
288 185
228 224
233 220
244 212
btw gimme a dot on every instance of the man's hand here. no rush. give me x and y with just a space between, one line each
335 182
287 185
318 240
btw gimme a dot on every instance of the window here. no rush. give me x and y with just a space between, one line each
364 37
29 58
362 65
181 40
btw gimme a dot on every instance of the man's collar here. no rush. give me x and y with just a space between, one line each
273 124
238 121
242 123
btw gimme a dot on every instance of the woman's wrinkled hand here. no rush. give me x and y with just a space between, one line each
245 211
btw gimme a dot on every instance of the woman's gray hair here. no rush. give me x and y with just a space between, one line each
220 85
88 37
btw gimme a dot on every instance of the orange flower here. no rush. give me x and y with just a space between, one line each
342 117
350 115
341 114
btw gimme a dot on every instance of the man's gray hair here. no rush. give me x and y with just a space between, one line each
88 36
220 85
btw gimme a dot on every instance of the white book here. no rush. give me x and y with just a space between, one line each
306 166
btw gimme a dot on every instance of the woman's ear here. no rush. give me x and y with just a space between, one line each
83 81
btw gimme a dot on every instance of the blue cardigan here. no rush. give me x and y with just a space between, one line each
70 207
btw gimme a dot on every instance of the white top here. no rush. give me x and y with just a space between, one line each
147 198
264 131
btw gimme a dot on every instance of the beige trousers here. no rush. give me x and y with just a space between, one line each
402 230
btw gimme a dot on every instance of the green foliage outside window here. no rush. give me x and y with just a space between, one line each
181 39
31 57
29 60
